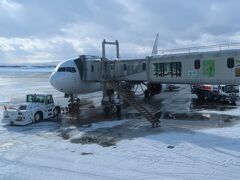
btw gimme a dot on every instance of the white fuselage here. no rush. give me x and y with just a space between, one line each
66 78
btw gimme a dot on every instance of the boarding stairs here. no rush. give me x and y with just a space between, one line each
130 98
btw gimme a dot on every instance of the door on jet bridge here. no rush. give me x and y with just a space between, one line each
112 70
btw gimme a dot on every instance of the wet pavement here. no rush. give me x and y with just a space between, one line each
178 111
177 105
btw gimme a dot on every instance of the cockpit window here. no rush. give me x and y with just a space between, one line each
66 69
61 69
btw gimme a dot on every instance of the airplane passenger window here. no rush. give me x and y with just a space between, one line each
230 62
197 64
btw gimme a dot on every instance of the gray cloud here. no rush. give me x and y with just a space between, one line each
44 31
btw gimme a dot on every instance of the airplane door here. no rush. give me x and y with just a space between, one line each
81 65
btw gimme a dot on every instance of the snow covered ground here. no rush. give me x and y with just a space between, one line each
205 146
136 151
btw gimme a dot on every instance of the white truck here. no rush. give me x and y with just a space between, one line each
228 93
36 108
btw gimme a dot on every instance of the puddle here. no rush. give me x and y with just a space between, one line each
188 116
65 135
91 139
211 105
86 153
170 147
139 127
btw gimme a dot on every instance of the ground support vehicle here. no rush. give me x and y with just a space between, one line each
36 108
222 93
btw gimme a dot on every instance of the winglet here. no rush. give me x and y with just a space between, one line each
155 45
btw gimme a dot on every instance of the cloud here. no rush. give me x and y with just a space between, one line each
10 6
44 31
10 9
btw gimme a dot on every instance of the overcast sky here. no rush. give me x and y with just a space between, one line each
42 31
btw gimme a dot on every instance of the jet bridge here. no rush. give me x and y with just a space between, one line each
220 66
213 65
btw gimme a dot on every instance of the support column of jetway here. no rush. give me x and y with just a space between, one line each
109 104
105 65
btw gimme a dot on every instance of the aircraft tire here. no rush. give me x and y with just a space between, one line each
106 110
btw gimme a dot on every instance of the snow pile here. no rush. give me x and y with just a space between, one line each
137 152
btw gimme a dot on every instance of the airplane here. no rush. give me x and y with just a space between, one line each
67 77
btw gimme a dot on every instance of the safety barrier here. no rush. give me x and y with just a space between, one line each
218 47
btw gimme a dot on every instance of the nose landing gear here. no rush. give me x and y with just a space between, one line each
74 104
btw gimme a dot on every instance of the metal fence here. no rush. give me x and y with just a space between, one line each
218 47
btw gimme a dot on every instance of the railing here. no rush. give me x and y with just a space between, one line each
219 47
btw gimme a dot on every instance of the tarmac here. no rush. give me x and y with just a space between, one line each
177 110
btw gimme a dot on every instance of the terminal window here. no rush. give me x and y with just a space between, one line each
197 64
171 69
230 62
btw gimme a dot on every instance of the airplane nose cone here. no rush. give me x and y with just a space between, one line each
54 80
57 81
63 82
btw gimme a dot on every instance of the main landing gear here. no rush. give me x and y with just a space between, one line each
111 104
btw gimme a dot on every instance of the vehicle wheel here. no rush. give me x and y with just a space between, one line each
119 111
146 94
56 111
38 117
201 97
106 111
215 98
221 100
114 109
233 103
